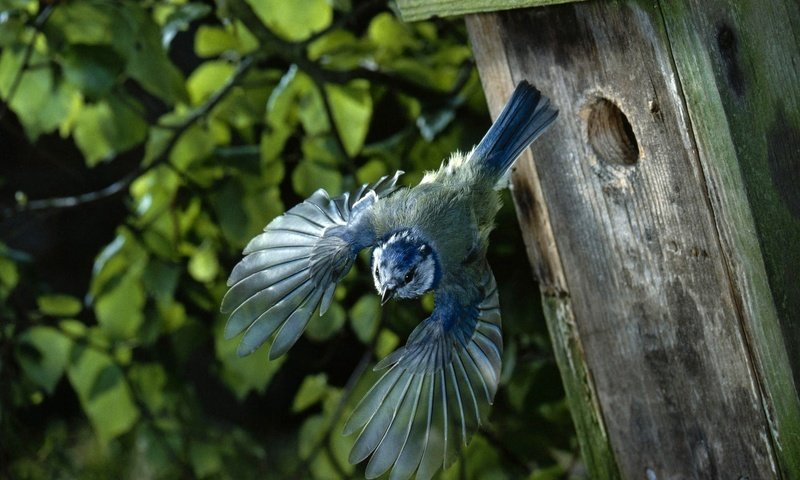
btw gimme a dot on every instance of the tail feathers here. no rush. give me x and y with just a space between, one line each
526 116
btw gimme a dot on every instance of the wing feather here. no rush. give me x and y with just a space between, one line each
290 270
453 368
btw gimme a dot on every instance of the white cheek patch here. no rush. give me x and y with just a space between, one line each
377 253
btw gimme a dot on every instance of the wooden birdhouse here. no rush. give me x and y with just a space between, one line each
662 220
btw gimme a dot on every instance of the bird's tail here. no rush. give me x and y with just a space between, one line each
526 116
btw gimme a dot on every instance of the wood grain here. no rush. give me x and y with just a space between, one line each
740 86
642 269
489 50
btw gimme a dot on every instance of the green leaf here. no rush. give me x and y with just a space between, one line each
206 459
195 144
83 22
203 265
484 461
312 432
391 35
282 102
318 169
149 380
59 305
180 19
387 343
110 409
293 20
352 112
39 102
212 41
119 310
323 327
244 374
365 317
9 276
371 171
93 69
106 128
311 391
207 79
47 365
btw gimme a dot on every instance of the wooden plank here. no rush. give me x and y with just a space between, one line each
655 310
742 91
487 41
412 10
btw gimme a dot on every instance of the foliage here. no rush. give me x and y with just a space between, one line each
206 121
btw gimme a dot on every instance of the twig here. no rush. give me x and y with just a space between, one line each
121 184
26 58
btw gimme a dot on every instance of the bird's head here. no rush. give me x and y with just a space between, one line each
404 265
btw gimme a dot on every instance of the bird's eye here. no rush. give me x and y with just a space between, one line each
409 275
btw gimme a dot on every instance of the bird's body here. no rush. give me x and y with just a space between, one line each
430 237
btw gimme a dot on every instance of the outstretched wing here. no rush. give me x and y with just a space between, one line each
436 391
293 267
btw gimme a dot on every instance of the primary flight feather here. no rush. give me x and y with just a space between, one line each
436 389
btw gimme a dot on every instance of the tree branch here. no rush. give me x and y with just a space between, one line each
121 184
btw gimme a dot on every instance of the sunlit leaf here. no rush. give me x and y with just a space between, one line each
244 374
352 112
387 343
293 20
106 128
46 366
318 169
195 144
59 305
203 265
339 50
83 22
180 19
39 101
324 327
390 34
206 459
365 317
207 78
210 41
312 433
310 392
111 409
9 276
119 311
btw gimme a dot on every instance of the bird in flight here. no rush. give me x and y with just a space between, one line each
436 390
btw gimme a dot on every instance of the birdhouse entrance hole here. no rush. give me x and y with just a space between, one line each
610 134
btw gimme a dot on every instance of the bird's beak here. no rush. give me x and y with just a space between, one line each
386 295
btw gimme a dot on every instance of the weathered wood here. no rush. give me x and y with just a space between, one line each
740 74
644 269
412 10
488 46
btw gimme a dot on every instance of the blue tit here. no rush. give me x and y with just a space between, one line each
437 389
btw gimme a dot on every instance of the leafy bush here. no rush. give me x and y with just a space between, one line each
156 138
